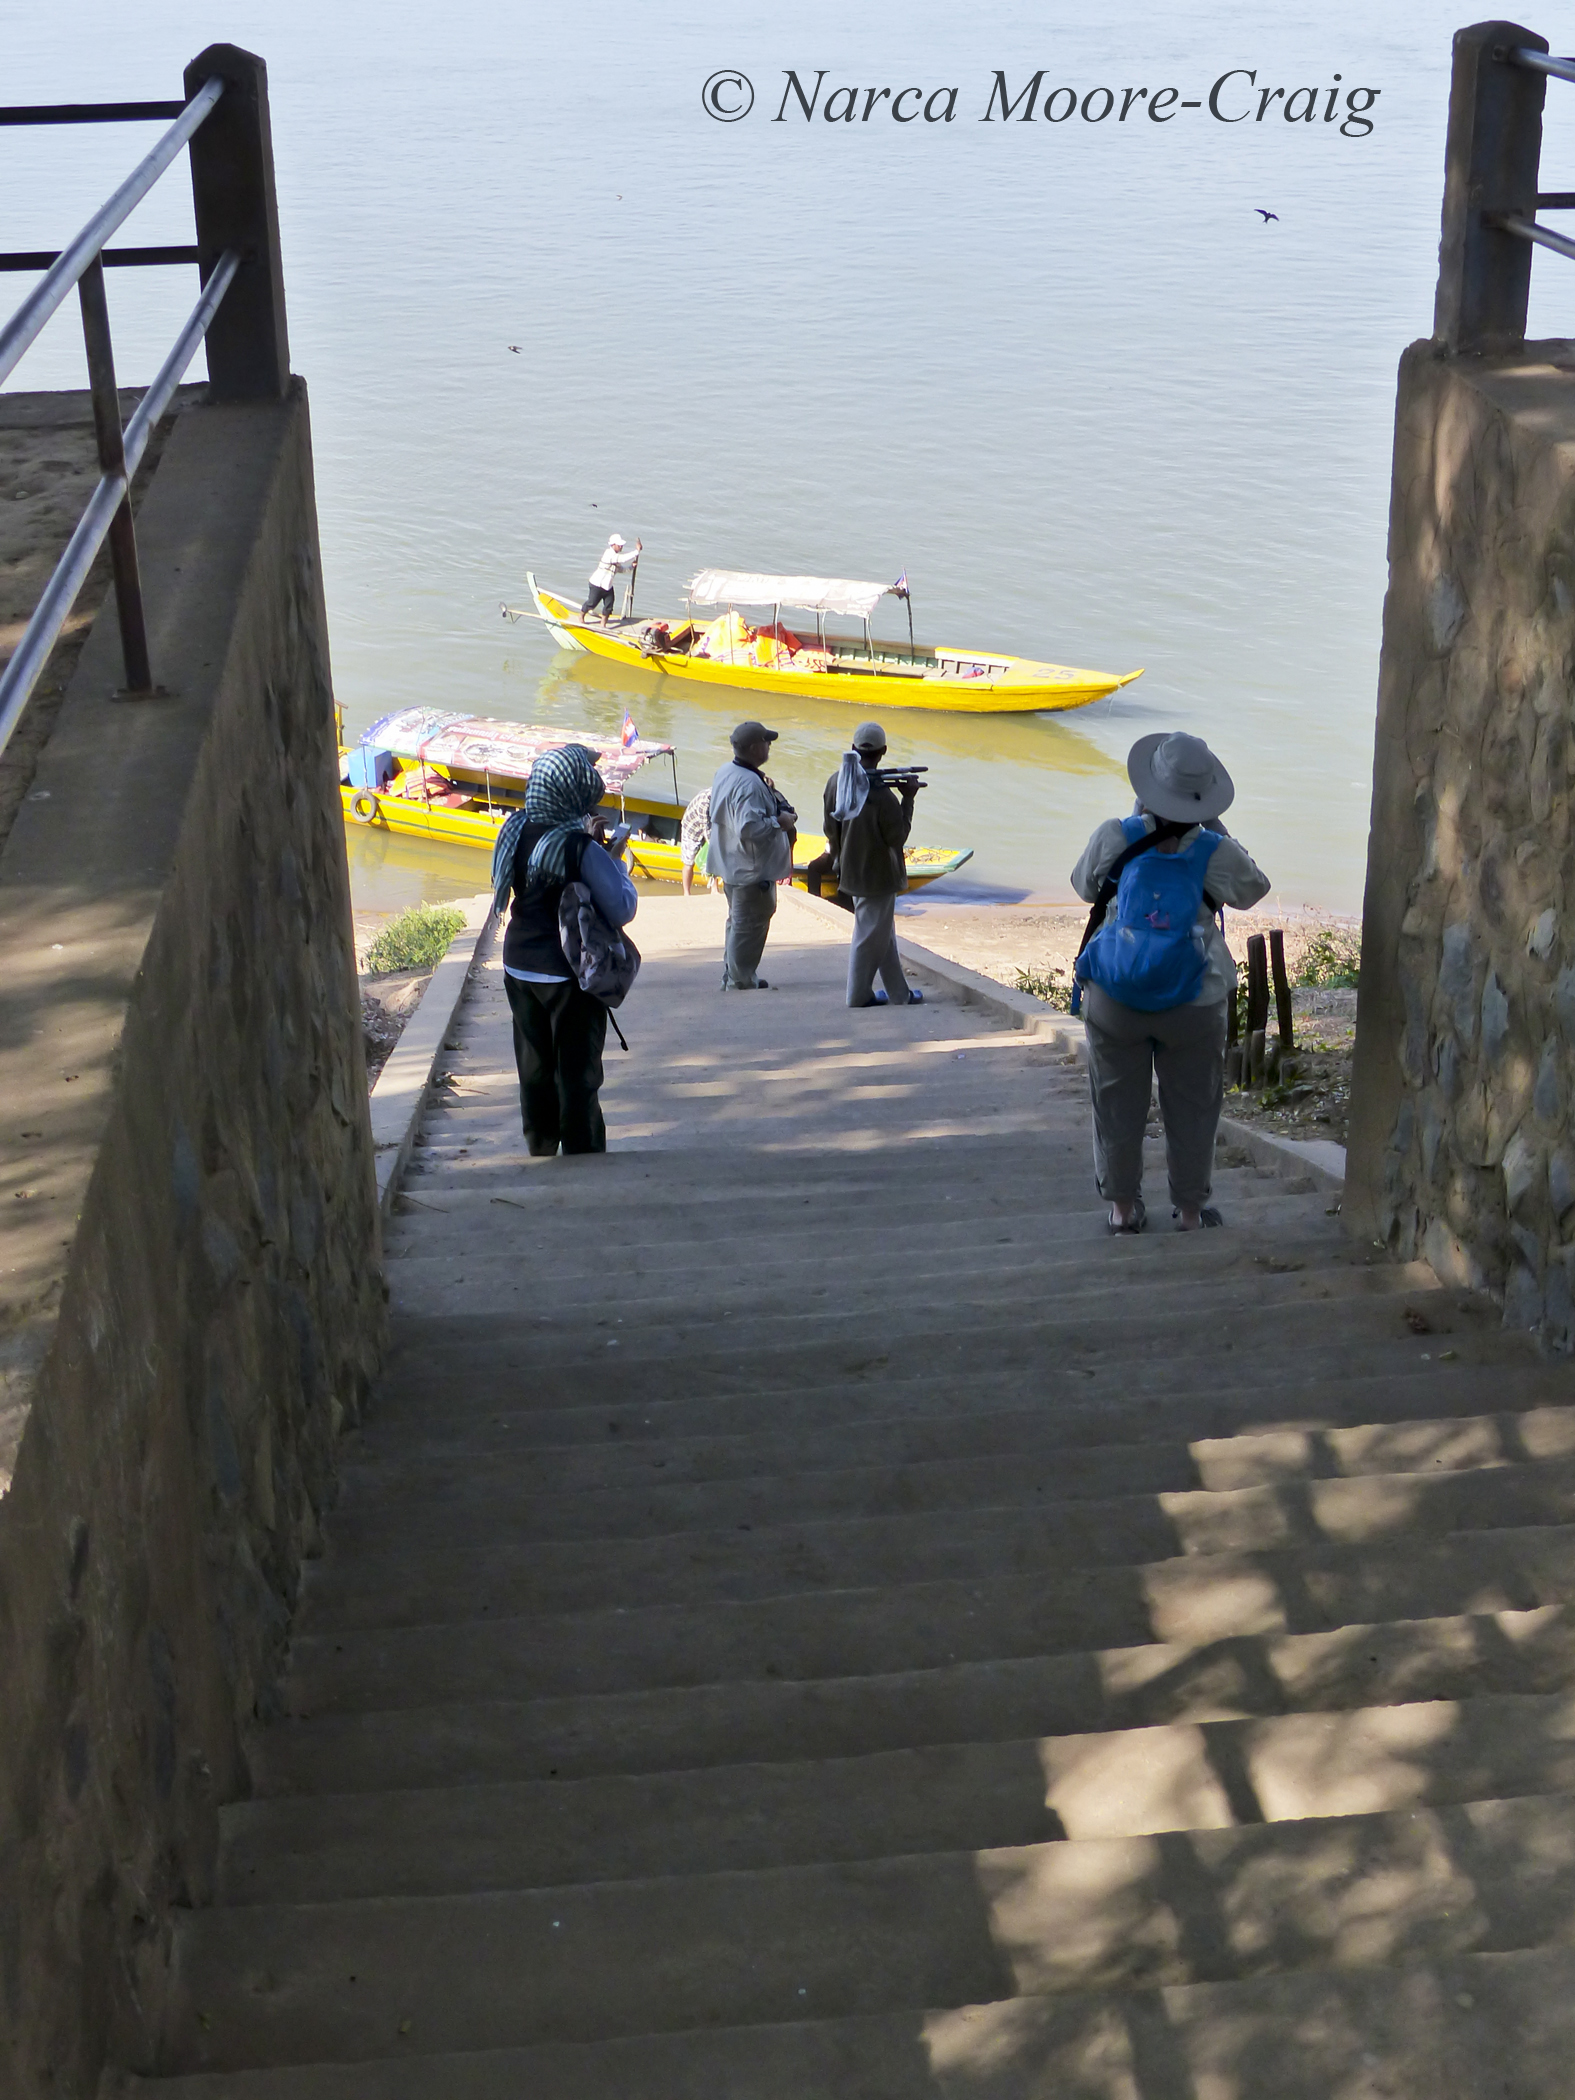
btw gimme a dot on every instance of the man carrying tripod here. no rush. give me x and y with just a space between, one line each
866 829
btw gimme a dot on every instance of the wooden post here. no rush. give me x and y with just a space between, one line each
1257 1009
1490 167
1282 991
1257 983
233 195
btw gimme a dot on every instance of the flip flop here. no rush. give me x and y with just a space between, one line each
1206 1218
1134 1225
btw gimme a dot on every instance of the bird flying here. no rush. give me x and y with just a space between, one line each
515 348
1265 216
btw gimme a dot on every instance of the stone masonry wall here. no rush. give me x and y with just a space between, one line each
190 1283
1462 1143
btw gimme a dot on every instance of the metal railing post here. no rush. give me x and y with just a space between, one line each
1490 167
112 460
233 194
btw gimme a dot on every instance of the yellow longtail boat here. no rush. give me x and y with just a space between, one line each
428 773
811 662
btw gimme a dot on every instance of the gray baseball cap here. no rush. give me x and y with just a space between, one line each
752 732
869 736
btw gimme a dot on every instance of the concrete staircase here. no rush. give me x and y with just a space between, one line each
811 1616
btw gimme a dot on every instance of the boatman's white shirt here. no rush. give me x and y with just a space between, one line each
748 843
609 565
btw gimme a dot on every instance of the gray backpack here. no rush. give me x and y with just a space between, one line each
604 960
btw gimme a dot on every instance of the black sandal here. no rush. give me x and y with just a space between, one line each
1133 1226
1206 1218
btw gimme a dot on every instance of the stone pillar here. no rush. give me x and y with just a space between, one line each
1461 1144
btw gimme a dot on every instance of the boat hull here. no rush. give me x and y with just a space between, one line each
1019 687
658 860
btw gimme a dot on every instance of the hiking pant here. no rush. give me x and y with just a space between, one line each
1186 1048
750 906
558 1036
875 949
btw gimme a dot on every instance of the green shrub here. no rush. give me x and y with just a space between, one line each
1046 984
417 940
1332 958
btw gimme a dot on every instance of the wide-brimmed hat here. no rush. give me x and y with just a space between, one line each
1177 776
751 733
869 736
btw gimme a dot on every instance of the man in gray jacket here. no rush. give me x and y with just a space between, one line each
751 849
866 829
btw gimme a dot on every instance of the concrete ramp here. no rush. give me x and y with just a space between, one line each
809 1614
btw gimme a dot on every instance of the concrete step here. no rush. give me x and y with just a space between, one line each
768 1717
1140 1332
480 1543
833 1462
890 1234
1464 2028
272 1983
521 1497
808 1634
1085 1401
1091 1268
967 1796
695 1181
890 1228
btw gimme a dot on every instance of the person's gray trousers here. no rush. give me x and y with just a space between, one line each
750 906
1186 1049
875 949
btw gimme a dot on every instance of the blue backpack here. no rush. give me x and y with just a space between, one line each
1150 953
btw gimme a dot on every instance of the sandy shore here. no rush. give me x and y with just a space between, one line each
998 940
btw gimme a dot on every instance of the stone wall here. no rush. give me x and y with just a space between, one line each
190 1284
1461 1144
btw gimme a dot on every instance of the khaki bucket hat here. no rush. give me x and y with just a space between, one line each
1177 776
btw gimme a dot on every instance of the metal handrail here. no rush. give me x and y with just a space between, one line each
87 112
1529 230
1540 62
120 450
50 614
31 316
1525 229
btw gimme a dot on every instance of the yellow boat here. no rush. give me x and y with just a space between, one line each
773 658
427 773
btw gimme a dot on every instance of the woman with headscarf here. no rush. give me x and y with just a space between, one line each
559 1031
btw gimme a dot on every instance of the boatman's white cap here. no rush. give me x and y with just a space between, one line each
616 540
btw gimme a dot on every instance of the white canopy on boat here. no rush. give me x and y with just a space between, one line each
811 593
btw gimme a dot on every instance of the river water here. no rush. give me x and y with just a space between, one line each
1062 374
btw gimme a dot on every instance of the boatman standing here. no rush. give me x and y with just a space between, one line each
751 849
866 829
614 558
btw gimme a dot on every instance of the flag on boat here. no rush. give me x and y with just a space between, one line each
900 588
631 735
